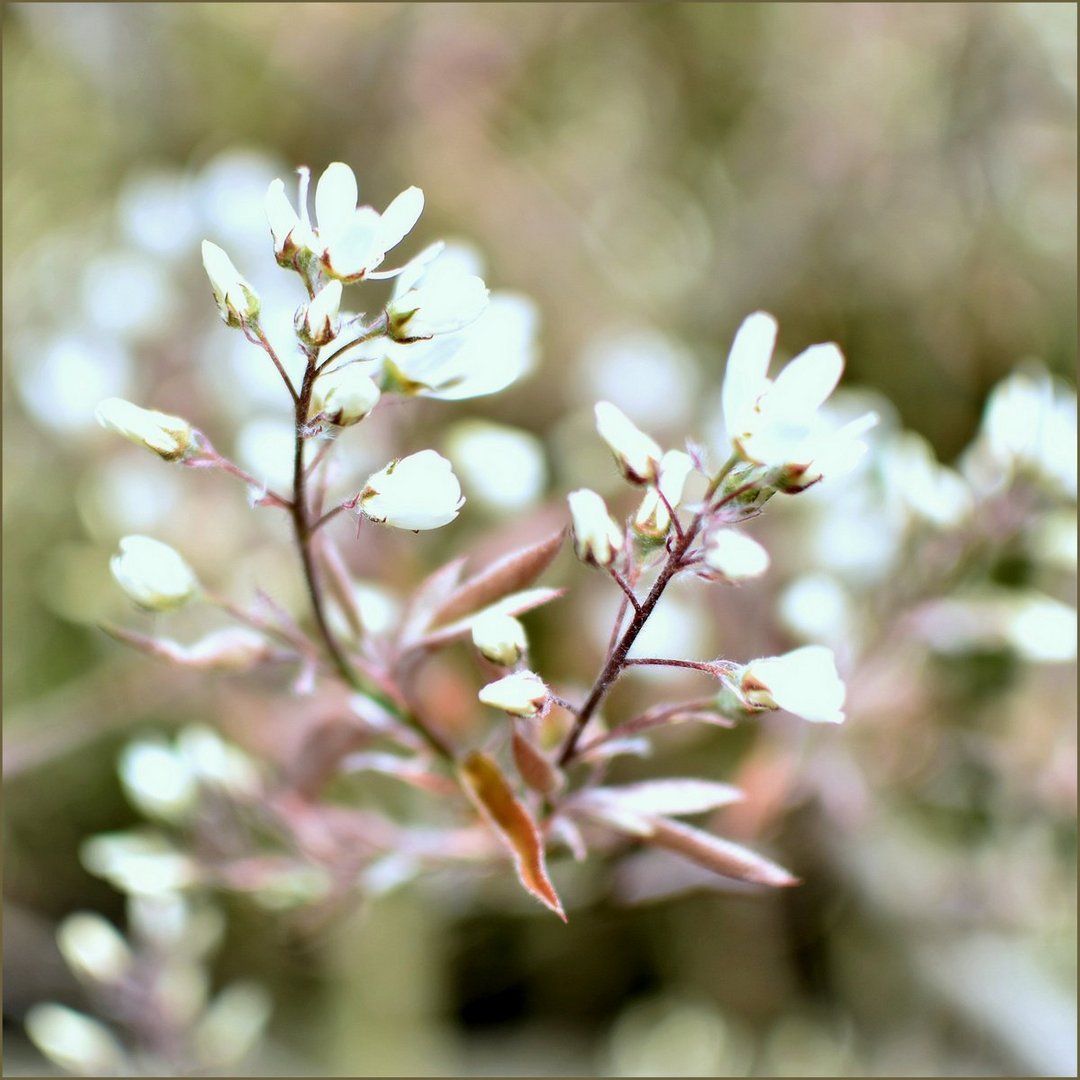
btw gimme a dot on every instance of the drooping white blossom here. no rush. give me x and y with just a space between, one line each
597 537
637 454
153 574
521 694
432 297
776 422
415 492
93 948
344 395
929 490
499 637
236 299
76 1042
804 682
169 436
653 517
735 556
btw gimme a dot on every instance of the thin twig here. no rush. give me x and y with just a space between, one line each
260 338
622 583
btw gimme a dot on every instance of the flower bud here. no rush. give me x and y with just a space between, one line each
500 638
236 299
74 1041
318 325
653 518
443 306
291 236
158 781
171 437
597 538
345 395
93 948
637 455
153 574
804 682
415 492
520 694
735 557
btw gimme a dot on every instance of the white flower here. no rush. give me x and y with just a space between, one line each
93 948
502 467
157 780
319 323
153 574
236 299
735 556
434 296
653 517
637 455
484 358
597 538
352 240
415 492
929 490
75 1041
804 682
521 694
169 436
144 863
776 423
499 637
345 395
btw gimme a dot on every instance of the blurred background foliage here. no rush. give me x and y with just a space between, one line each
899 178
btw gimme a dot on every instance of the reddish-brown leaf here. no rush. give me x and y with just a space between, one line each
431 593
489 791
510 574
722 856
414 771
534 767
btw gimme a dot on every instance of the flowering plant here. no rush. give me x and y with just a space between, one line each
534 783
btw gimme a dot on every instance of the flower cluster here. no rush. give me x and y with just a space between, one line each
442 334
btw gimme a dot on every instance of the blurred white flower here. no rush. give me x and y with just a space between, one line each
157 780
93 948
499 637
928 490
438 301
153 574
74 1041
237 301
1029 422
138 862
168 436
501 466
520 694
344 395
415 492
735 556
653 517
1053 539
804 682
637 454
817 608
232 1026
597 538
776 422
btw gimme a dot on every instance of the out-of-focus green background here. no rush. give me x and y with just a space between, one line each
900 178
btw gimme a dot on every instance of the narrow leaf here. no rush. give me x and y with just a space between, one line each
676 796
514 604
510 574
534 767
430 594
721 856
489 791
